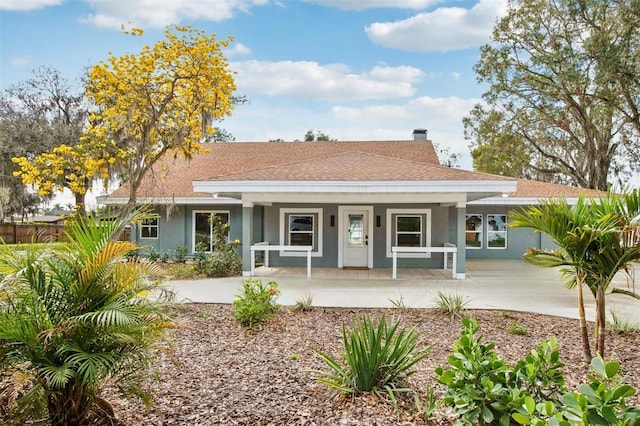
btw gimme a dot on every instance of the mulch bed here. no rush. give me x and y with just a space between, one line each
215 372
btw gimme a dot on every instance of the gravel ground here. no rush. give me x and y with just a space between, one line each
214 372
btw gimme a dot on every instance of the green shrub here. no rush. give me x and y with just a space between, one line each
399 303
180 253
377 357
451 305
223 262
600 402
621 325
514 328
152 254
73 320
257 303
484 390
164 257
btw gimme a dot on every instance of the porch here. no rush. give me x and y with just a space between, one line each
353 274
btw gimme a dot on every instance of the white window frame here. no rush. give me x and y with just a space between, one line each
193 225
425 227
144 225
317 231
481 234
505 232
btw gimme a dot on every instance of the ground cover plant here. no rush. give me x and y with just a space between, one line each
74 319
215 372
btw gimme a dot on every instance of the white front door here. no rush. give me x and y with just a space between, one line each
355 237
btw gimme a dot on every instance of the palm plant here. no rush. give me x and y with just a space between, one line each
74 318
596 239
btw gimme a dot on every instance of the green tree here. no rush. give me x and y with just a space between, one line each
74 318
562 84
317 136
36 115
596 239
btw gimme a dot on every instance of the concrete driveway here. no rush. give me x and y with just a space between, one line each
490 284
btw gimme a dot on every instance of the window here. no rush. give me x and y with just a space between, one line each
301 230
496 231
301 227
149 228
204 228
408 228
409 231
474 231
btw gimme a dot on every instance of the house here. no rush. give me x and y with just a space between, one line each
349 202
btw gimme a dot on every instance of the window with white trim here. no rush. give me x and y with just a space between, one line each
149 228
496 231
473 231
408 228
301 227
204 223
409 231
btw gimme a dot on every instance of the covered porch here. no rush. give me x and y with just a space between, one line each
275 273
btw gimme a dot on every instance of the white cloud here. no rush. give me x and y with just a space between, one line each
444 29
19 61
312 81
160 13
456 75
237 49
24 5
370 4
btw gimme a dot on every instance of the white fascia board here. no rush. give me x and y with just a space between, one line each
355 187
168 200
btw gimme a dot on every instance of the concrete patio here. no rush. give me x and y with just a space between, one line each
490 284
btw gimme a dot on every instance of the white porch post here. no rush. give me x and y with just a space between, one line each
461 242
247 238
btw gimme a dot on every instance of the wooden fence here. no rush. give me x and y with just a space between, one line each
16 233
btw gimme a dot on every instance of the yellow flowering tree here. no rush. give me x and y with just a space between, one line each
162 100
73 167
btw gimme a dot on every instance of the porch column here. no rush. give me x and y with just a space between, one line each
461 239
247 237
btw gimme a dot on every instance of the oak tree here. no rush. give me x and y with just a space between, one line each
563 92
44 111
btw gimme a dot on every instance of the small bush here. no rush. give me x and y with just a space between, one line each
152 254
451 305
164 257
180 253
399 303
257 303
484 390
621 325
377 357
514 328
600 402
303 304
223 262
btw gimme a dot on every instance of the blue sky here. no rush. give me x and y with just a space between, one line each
353 69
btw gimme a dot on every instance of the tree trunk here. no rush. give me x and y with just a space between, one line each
584 333
600 320
80 210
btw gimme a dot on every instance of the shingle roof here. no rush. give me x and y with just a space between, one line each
411 160
172 177
534 189
356 166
